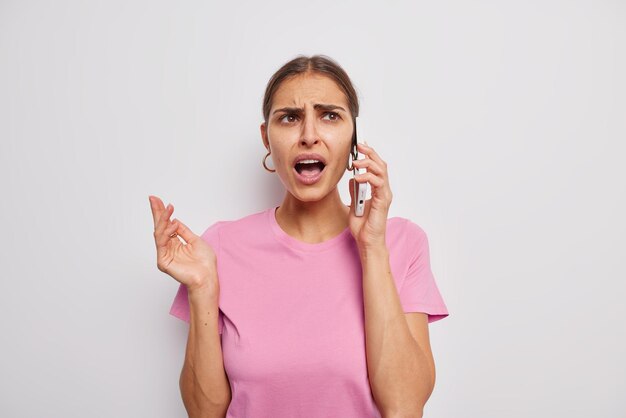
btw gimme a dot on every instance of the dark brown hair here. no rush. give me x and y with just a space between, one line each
302 64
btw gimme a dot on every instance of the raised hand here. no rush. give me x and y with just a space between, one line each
192 263
369 230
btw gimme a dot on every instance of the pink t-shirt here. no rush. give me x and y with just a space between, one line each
291 315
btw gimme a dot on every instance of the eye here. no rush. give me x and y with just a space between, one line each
334 114
288 115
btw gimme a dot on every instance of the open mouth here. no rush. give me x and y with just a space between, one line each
309 169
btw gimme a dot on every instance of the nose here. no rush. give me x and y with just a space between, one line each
309 133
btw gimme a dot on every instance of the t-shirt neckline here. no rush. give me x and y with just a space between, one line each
292 242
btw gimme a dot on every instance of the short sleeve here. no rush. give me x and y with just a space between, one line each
180 305
419 291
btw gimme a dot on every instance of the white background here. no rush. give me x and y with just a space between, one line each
503 124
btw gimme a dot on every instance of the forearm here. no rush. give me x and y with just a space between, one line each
203 382
399 373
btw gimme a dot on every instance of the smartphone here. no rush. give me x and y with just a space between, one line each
359 189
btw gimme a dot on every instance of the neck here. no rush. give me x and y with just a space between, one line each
314 221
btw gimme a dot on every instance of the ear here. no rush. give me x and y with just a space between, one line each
264 137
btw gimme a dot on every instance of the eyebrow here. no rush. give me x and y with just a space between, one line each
315 106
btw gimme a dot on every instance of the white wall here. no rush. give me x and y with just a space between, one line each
503 124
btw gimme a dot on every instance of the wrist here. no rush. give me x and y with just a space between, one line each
203 288
202 301
377 251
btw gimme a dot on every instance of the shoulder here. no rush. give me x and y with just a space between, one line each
243 224
404 229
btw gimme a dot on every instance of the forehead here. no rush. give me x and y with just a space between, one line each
305 88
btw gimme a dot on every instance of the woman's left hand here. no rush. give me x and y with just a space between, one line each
369 230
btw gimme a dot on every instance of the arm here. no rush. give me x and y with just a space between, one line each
204 385
400 373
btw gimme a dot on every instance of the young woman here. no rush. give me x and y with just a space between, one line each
306 310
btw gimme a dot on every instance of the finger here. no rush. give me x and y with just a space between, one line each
159 207
371 166
166 242
370 153
155 207
164 218
160 235
172 227
380 187
162 224
152 208
184 231
371 178
173 242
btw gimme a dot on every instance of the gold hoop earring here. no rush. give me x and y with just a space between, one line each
349 166
265 165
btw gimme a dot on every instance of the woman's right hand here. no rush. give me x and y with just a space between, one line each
193 264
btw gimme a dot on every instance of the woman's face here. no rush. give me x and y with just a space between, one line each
309 114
